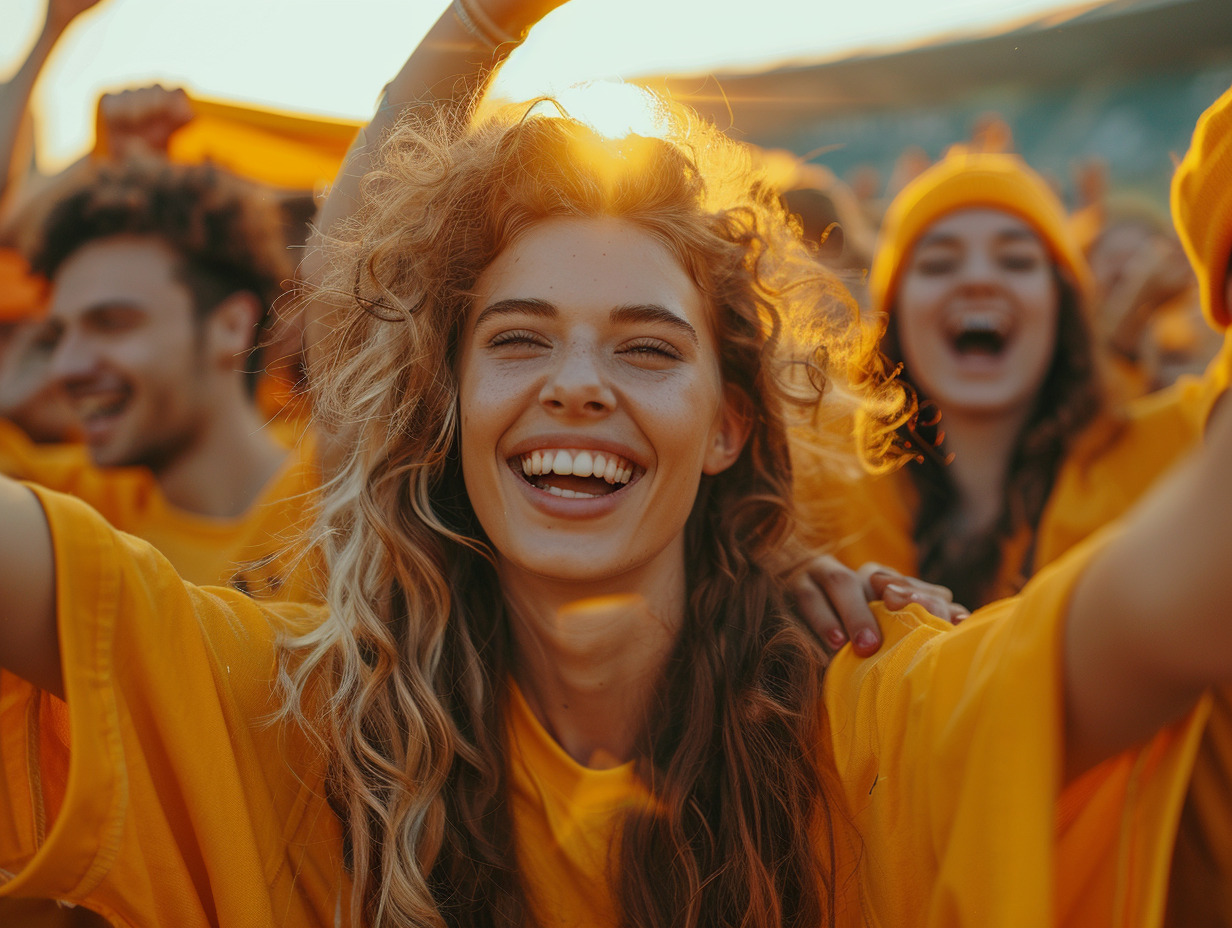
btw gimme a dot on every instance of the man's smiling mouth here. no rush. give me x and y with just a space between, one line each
575 474
98 409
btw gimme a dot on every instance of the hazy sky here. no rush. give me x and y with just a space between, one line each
331 57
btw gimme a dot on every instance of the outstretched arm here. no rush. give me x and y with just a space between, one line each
29 644
1150 622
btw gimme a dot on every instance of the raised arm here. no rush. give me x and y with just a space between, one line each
450 67
15 93
29 646
1150 623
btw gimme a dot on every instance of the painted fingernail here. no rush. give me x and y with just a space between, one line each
866 640
837 638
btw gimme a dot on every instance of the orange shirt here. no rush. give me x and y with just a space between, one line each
180 804
254 552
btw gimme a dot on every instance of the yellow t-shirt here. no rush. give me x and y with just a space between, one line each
255 552
180 804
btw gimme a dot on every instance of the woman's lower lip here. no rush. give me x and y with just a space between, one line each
564 507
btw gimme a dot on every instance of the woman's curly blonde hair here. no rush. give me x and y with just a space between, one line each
405 683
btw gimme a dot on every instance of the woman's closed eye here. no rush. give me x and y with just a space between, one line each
1020 260
936 264
651 350
519 338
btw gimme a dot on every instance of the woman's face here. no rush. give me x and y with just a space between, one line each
977 313
591 402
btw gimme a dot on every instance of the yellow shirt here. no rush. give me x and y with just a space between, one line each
254 552
179 804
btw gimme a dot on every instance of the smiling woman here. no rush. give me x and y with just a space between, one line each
984 295
615 301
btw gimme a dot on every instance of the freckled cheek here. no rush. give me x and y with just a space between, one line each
679 419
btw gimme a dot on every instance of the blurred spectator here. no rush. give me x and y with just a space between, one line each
1140 270
910 164
830 217
991 133
1017 454
162 276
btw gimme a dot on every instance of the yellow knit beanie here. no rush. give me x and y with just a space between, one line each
970 180
1202 206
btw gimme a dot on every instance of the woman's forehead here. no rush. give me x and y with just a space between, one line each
590 263
978 223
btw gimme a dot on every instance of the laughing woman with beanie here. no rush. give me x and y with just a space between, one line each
1016 455
556 681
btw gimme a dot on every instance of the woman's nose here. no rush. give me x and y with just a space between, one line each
577 386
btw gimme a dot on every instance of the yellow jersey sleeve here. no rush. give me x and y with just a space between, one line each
160 791
1111 466
949 745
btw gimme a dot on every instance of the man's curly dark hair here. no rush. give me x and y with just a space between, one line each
227 234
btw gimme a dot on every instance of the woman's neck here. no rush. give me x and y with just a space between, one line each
589 657
982 448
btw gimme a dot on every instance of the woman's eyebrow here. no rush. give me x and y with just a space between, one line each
937 240
654 313
525 307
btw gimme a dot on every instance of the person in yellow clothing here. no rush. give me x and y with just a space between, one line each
1202 214
556 680
1017 455
161 278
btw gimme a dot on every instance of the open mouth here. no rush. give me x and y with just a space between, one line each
983 336
575 474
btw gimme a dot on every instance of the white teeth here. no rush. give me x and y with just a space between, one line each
605 466
570 494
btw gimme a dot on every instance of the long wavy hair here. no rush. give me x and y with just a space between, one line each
405 683
1070 397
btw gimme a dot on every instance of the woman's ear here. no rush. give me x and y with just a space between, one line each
731 430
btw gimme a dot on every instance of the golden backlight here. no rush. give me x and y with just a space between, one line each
322 57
